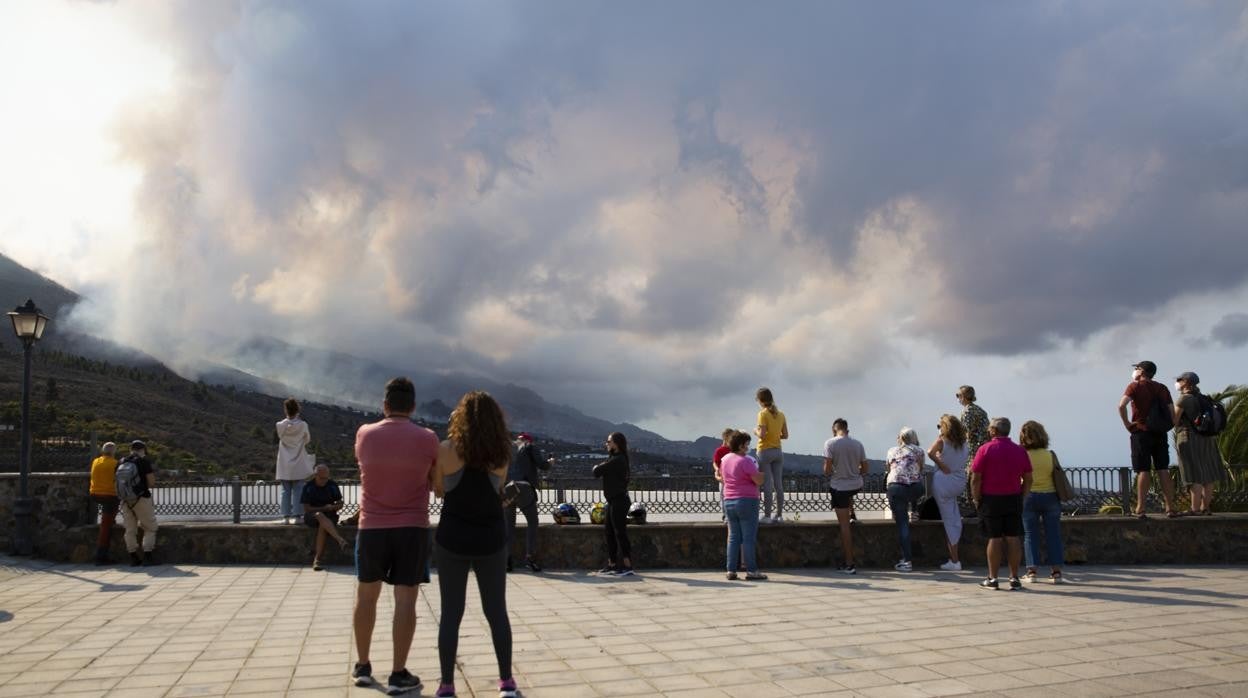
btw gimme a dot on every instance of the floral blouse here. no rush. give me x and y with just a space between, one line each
905 465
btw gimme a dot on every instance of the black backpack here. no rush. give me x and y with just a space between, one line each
1159 419
1211 419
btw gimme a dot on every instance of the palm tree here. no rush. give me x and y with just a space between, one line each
1233 441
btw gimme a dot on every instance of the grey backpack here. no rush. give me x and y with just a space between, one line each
128 481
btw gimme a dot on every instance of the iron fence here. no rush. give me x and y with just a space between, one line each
237 500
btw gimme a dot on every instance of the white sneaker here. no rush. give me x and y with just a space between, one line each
904 566
777 519
952 566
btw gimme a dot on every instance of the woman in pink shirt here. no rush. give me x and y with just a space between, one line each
742 479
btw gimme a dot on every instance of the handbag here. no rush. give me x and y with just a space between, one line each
1064 491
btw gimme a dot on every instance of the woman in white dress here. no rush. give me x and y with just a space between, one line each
949 453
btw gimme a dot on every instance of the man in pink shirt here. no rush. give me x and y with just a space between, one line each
1000 479
396 458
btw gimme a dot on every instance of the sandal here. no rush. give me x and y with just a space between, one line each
1173 514
1139 515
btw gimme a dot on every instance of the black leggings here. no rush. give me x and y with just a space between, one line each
616 530
491 573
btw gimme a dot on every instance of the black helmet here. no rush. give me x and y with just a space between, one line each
566 514
637 513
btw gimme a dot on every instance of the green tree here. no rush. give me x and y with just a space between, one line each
1233 441
52 393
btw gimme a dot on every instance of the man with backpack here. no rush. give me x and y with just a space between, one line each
135 480
1152 418
524 468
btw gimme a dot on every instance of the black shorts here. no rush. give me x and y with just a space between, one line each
109 504
1001 515
309 518
844 499
392 555
1149 451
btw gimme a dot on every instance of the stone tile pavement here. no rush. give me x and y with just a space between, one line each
231 630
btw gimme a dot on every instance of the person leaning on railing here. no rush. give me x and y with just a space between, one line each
104 492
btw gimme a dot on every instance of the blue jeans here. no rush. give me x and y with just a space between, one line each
742 532
292 494
900 499
1042 507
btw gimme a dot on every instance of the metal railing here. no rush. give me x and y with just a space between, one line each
237 500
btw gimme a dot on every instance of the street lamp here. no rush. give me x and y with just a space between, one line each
28 325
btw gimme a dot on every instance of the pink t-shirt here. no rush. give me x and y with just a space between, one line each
395 457
1001 463
737 470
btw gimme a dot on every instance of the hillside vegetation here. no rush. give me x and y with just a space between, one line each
188 425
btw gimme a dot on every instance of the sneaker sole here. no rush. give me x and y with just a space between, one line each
400 690
364 681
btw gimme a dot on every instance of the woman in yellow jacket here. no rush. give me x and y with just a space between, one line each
104 493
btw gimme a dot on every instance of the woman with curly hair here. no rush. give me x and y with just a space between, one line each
1041 507
469 476
949 453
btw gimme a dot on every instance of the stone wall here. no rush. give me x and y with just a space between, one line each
61 504
64 532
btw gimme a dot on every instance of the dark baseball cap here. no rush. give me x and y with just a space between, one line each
1148 367
137 445
1190 377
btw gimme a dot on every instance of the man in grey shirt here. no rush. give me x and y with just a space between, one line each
844 463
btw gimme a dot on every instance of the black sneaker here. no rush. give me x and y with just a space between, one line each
363 674
847 569
148 559
1015 584
135 560
608 571
990 583
402 682
532 564
625 572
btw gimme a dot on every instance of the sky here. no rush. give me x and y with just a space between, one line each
648 210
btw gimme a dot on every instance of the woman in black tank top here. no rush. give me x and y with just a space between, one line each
469 475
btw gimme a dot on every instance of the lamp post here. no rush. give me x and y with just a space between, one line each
28 325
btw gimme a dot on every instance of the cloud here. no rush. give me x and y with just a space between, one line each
1231 331
631 200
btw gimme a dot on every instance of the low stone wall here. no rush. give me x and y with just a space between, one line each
65 531
1100 540
61 504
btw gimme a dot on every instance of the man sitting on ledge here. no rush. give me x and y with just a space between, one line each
321 501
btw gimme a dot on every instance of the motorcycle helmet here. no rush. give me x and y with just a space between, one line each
637 513
598 514
566 514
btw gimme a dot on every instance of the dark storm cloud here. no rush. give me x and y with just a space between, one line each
434 159
1231 331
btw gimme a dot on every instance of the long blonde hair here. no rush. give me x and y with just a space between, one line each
953 430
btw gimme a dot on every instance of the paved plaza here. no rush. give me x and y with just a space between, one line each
198 630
